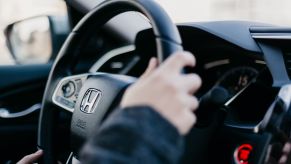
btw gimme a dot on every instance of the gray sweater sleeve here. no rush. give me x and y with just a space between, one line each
134 135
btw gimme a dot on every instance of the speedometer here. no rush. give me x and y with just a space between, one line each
236 79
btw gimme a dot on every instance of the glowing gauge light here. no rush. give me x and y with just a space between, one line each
242 154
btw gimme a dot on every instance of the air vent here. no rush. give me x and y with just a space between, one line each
287 58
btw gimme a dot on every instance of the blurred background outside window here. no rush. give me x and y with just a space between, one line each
14 10
276 12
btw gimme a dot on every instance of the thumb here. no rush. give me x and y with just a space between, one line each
32 158
151 67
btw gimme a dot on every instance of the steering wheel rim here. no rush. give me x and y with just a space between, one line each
167 37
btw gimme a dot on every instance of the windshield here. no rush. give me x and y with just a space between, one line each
276 12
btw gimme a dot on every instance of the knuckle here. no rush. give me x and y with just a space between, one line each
195 103
178 57
195 81
187 57
198 80
194 77
170 86
192 119
190 57
182 57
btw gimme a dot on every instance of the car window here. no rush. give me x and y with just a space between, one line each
14 10
276 12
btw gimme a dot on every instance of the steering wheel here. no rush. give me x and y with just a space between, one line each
92 96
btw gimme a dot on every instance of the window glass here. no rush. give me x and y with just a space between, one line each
14 10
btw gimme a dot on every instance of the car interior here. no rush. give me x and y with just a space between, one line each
245 66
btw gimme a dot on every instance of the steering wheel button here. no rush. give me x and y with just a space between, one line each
68 89
65 102
71 104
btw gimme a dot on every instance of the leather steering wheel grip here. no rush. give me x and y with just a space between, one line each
167 40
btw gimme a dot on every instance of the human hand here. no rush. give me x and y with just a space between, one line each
168 90
32 158
286 153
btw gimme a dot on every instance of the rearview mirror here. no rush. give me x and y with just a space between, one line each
36 40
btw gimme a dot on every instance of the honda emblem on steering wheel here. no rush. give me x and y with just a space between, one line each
90 100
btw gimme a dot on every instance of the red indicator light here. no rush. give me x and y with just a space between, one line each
242 153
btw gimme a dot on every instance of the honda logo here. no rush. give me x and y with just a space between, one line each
90 100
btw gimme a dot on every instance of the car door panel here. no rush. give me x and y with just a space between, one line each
21 86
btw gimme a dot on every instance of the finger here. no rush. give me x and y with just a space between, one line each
188 121
153 63
287 148
283 159
189 102
286 151
178 61
190 82
31 158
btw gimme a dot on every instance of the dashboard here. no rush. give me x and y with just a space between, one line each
219 63
249 60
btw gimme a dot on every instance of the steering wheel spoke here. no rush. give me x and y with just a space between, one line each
67 91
